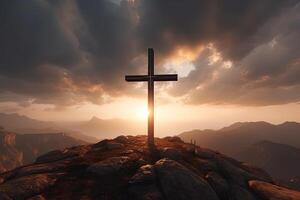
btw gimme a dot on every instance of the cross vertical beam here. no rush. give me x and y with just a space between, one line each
150 78
151 98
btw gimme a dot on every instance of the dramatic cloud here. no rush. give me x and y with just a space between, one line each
231 25
66 52
34 51
268 74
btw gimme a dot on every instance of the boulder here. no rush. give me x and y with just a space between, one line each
108 166
143 185
145 174
128 151
122 139
189 148
235 173
204 165
219 184
51 156
239 193
68 153
269 191
204 153
257 172
114 145
4 176
134 156
28 186
145 192
141 162
100 144
39 169
178 182
4 196
173 139
109 144
171 153
37 197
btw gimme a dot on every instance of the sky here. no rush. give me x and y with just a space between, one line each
65 60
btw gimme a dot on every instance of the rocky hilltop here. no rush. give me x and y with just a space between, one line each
18 149
123 168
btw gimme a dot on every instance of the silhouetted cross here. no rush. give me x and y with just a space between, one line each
150 78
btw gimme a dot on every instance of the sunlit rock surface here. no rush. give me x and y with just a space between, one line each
123 168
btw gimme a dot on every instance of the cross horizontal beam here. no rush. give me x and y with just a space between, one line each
136 78
161 77
165 77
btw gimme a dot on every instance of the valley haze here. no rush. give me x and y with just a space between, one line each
96 128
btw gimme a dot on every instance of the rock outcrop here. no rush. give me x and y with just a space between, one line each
269 191
18 149
10 156
123 168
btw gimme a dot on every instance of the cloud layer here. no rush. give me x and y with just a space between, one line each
73 51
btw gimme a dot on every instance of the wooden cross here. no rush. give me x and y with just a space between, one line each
150 78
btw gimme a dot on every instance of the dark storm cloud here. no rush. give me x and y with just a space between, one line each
31 36
34 50
268 74
230 24
109 40
71 51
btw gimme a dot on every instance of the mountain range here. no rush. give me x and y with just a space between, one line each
90 130
15 121
274 148
238 136
259 143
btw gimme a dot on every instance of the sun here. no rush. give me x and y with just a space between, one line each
142 113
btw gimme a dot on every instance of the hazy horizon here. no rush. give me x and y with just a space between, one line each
162 128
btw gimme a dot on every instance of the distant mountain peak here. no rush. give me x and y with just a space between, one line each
290 124
15 121
94 118
247 125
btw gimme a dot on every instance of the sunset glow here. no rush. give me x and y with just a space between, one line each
142 113
76 55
